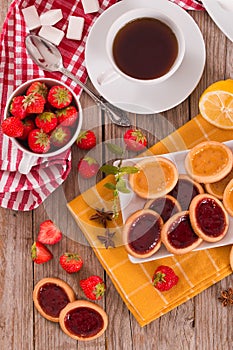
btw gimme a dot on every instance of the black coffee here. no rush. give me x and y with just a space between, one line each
145 48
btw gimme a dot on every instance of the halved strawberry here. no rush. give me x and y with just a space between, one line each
93 287
40 254
34 103
60 136
18 108
12 127
38 88
46 121
49 233
59 96
38 141
67 116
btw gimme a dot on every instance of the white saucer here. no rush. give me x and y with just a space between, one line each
221 11
146 99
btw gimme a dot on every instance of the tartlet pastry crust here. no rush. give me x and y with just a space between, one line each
156 177
209 161
69 291
200 231
82 304
132 221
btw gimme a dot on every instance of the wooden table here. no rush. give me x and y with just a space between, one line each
199 324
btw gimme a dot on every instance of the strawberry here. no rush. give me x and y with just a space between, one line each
71 262
12 127
93 287
86 140
60 136
38 141
164 278
28 125
18 108
88 167
40 254
47 121
49 233
59 96
34 103
38 88
67 116
135 140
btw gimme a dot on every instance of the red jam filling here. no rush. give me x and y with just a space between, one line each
144 233
84 322
181 234
165 207
184 191
210 217
52 299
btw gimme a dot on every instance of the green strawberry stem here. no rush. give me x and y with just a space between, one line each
159 277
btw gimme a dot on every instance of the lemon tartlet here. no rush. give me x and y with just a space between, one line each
217 188
228 198
156 177
209 161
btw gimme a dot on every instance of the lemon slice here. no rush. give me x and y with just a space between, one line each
216 104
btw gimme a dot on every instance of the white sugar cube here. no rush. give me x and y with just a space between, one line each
52 34
90 6
31 17
75 28
51 17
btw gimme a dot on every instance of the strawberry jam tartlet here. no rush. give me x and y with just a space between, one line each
178 235
185 190
142 233
165 206
50 296
83 320
208 217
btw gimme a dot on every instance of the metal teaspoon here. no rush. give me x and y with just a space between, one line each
47 56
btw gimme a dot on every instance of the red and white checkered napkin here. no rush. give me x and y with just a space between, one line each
26 192
189 4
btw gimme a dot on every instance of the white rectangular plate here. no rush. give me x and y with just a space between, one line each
130 203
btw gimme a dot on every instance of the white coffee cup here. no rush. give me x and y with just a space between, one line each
114 71
29 157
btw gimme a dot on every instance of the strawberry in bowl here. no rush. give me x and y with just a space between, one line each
43 117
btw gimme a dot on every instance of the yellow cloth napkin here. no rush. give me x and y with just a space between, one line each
196 270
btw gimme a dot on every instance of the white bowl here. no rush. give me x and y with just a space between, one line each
29 157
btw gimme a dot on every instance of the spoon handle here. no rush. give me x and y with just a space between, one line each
115 114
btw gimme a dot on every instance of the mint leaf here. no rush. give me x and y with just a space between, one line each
110 186
109 169
115 149
121 186
128 170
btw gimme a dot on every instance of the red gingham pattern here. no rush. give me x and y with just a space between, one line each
26 192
